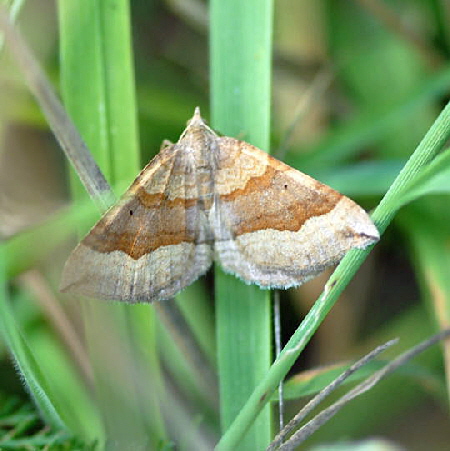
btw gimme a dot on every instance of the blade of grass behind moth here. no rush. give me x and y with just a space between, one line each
98 87
309 428
436 136
123 140
241 46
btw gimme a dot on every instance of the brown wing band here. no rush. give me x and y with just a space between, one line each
143 224
274 201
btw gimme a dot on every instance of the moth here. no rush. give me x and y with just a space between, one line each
212 197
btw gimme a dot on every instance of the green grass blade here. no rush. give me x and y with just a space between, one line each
427 149
241 34
313 381
82 78
22 254
119 89
64 383
34 378
434 179
98 87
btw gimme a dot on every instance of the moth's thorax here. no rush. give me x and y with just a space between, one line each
198 145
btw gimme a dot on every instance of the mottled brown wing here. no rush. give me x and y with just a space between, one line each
276 226
151 244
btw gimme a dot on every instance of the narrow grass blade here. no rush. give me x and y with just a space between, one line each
310 382
98 88
35 380
241 35
434 179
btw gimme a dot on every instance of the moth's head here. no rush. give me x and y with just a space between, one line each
196 127
196 120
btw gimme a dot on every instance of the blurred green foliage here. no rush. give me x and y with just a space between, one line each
389 74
